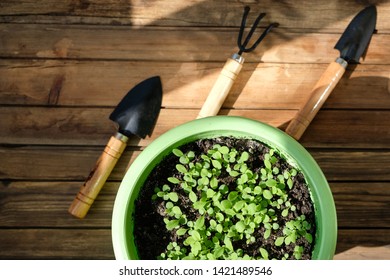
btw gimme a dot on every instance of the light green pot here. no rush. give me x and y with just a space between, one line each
325 211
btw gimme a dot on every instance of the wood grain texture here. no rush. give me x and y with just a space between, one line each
364 129
186 84
96 244
74 163
307 14
30 204
179 44
65 65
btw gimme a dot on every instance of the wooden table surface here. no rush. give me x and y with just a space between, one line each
64 65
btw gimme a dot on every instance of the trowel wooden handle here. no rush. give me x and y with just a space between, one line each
222 87
98 176
317 98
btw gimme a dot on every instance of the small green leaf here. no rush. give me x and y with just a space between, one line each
181 231
271 182
238 205
285 212
210 193
264 253
199 223
224 150
226 204
223 189
184 160
293 172
267 194
257 190
267 234
267 164
213 182
289 183
219 228
240 226
195 248
171 224
244 157
218 252
234 173
217 155
216 164
177 152
173 180
288 240
173 196
181 168
232 196
196 235
176 210
309 237
228 243
279 241
219 217
192 196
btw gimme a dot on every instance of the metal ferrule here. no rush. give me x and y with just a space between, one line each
121 137
240 59
342 62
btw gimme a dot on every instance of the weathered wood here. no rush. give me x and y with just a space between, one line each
78 126
365 253
91 126
56 244
74 163
186 84
97 244
173 44
65 65
33 204
318 15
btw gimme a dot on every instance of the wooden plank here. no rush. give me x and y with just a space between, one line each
74 163
362 204
348 239
179 44
365 253
83 126
318 15
97 244
91 126
79 244
260 86
34 204
26 204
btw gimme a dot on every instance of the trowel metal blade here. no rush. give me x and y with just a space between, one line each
356 37
138 111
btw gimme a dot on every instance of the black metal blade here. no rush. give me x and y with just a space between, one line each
137 113
355 39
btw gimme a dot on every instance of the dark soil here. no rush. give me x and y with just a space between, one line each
152 237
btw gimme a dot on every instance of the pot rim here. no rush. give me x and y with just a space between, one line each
288 147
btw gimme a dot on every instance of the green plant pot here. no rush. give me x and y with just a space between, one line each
238 127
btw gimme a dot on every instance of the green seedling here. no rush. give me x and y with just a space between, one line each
227 214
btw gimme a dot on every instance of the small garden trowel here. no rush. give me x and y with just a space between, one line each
352 45
136 115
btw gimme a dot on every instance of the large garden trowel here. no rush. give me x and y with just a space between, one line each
136 115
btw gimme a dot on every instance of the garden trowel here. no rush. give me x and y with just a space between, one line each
352 44
136 115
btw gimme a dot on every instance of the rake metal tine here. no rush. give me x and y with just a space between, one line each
242 46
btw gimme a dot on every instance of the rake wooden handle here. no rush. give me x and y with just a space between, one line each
98 176
222 86
317 98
